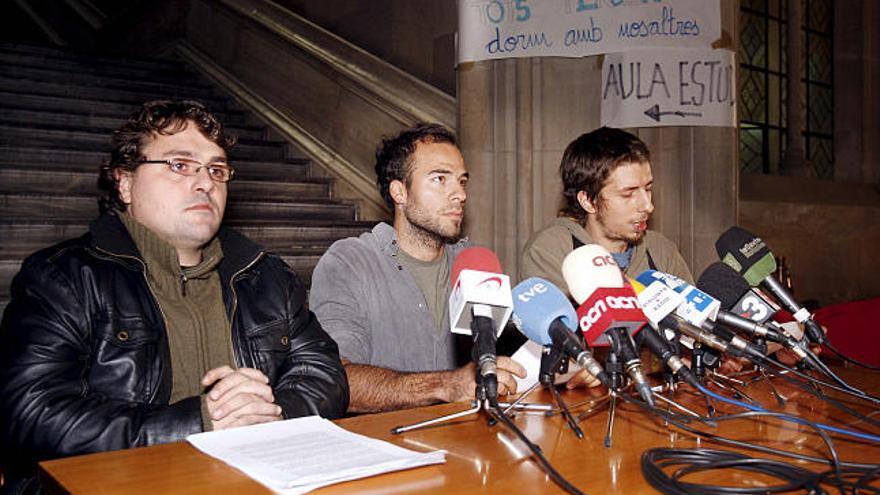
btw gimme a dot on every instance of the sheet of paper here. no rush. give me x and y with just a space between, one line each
299 455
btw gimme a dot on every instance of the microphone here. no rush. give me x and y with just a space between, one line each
741 307
699 309
609 312
663 350
480 305
659 303
543 313
751 257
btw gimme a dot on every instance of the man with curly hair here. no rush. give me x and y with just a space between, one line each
157 323
383 296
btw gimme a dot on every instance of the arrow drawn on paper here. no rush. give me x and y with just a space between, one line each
655 113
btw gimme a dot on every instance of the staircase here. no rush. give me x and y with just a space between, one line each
57 111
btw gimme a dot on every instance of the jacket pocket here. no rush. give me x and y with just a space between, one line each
270 344
125 361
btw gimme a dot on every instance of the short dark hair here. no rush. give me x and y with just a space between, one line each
394 155
590 159
154 117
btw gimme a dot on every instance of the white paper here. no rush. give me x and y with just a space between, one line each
302 454
529 356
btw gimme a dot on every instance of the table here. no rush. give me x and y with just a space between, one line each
489 458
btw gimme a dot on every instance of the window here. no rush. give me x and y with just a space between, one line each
763 78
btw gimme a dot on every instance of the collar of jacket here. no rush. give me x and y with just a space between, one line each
386 236
110 235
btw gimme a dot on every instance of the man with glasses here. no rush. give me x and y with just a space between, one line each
157 323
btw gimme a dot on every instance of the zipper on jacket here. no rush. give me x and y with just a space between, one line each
235 342
183 281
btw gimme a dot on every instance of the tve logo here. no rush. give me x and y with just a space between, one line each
532 292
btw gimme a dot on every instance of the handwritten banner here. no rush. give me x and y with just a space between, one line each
492 29
669 87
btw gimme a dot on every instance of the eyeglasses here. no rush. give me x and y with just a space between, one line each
183 166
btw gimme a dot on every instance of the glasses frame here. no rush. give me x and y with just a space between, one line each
170 163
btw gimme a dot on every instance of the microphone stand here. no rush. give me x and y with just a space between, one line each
481 403
553 361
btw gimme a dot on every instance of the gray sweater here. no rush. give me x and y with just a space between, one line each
373 309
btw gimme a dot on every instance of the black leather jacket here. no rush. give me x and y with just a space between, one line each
84 357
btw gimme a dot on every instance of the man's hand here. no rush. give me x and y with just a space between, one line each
461 385
582 378
239 397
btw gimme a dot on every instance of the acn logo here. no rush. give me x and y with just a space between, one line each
604 260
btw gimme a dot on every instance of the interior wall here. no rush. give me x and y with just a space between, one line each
417 36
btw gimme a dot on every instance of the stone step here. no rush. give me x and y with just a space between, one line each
95 140
303 265
103 123
179 73
50 54
52 73
96 106
98 91
24 238
75 160
56 207
31 181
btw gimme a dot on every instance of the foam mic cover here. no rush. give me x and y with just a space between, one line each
478 285
734 293
475 258
537 304
747 254
587 268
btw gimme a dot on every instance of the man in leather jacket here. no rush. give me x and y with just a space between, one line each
157 323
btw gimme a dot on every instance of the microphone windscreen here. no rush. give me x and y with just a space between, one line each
587 268
746 253
536 304
724 283
475 258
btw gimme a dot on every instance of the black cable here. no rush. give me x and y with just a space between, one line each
857 486
542 461
830 400
681 421
850 390
654 461
849 359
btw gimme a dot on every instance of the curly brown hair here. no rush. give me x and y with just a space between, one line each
164 117
590 159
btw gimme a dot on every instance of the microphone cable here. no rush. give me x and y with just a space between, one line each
839 474
566 485
805 386
849 389
654 461
788 417
848 359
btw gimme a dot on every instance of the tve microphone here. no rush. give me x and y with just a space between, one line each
481 300
609 312
750 257
544 315
662 349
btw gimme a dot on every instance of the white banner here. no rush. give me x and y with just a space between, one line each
669 87
491 29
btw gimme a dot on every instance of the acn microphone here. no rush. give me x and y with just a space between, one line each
609 312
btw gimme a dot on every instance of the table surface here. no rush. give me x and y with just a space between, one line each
490 458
